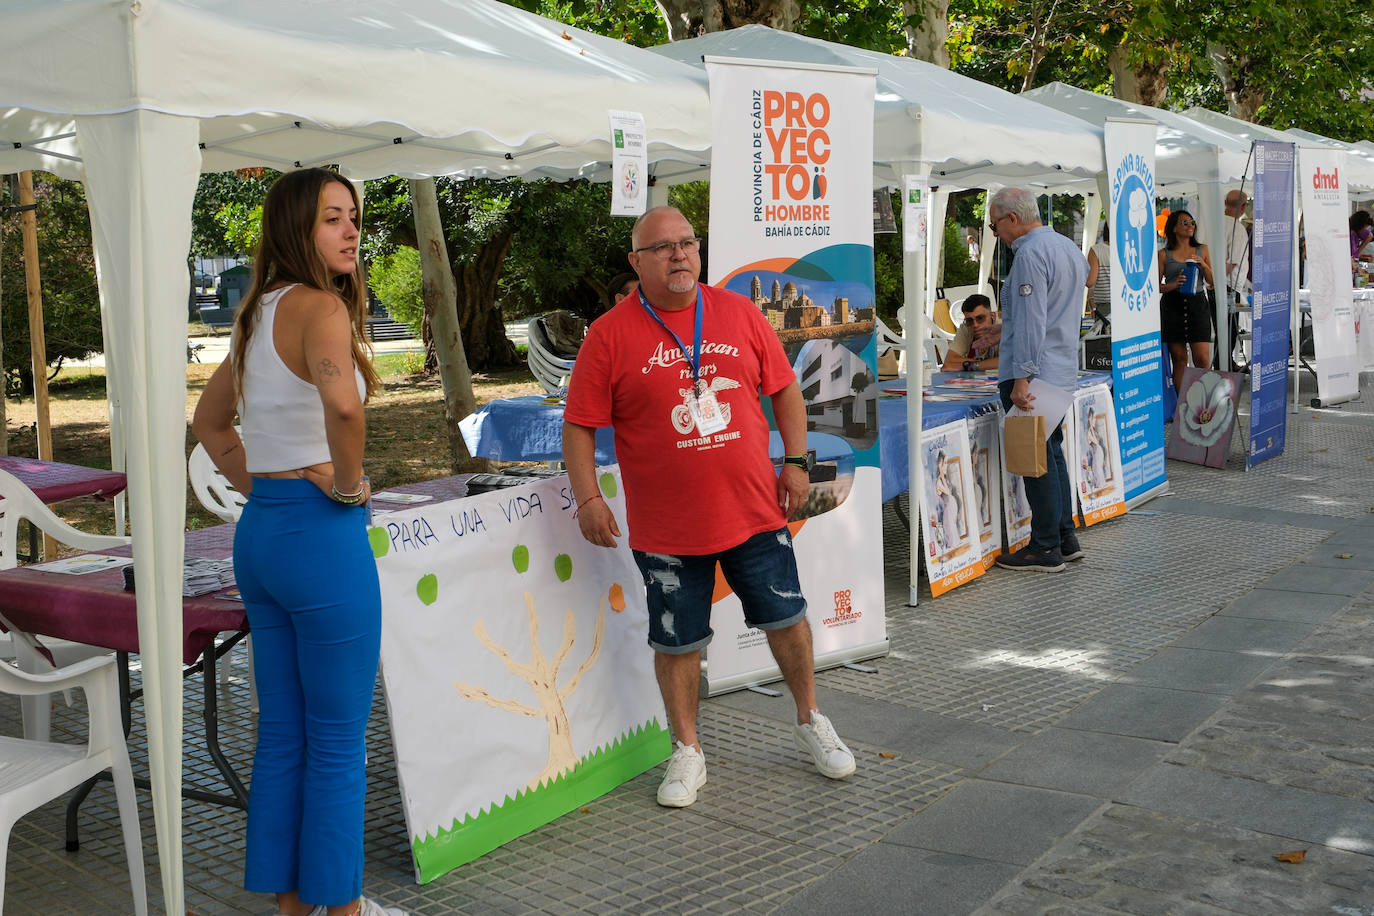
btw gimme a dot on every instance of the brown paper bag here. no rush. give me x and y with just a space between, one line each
1023 438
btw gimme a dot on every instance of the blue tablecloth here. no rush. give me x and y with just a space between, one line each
529 429
892 423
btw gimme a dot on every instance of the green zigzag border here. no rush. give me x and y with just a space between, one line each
596 774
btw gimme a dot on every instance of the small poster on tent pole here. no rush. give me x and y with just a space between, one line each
629 164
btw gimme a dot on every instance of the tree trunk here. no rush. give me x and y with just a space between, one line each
1243 99
927 30
442 316
484 330
1144 83
692 18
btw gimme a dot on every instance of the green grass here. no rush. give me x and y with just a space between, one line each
596 774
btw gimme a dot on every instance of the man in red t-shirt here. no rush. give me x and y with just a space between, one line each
678 370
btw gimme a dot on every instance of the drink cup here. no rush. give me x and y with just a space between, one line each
1190 275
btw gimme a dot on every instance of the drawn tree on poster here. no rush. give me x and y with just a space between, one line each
542 674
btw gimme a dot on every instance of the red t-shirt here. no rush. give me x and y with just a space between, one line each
685 493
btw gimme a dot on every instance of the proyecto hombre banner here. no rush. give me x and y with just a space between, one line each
1137 363
517 678
792 230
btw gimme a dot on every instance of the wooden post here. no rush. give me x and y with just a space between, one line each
37 345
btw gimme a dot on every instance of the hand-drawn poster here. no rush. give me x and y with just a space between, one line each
949 510
985 445
1096 470
517 677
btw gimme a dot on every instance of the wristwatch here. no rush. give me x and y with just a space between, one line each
805 462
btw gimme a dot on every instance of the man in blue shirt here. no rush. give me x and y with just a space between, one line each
1042 299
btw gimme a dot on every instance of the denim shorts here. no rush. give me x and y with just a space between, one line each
762 571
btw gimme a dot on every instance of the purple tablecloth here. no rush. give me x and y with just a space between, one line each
53 481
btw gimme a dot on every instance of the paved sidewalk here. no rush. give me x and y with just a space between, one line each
1142 734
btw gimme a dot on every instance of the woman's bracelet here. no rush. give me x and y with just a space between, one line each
585 501
349 499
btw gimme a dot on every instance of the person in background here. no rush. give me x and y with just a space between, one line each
1042 301
297 375
966 354
1185 319
1361 232
1237 245
702 490
622 285
1100 277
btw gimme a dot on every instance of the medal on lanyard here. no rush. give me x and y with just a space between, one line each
701 403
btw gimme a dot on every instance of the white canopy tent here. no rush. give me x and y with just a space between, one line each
949 129
1189 157
137 97
1359 162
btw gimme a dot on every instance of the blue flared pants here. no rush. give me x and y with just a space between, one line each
309 584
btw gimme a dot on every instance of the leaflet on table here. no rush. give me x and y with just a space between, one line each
393 497
953 549
86 563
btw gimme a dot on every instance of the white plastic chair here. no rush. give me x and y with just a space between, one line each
33 773
888 338
212 488
935 352
549 368
17 502
217 494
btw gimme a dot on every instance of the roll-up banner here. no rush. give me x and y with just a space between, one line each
949 508
1137 366
1325 213
792 230
1271 244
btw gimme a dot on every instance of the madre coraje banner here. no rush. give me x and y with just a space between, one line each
1137 360
1271 244
517 678
792 231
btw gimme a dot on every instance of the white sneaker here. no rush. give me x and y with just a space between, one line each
371 907
686 773
818 739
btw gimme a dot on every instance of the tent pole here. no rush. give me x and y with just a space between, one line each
38 349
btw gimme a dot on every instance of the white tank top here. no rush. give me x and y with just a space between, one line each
281 415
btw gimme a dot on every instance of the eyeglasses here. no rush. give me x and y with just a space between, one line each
1186 222
993 225
664 250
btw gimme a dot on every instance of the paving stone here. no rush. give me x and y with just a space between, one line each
1201 670
1004 823
1154 713
1237 634
1310 579
1273 604
1085 762
893 879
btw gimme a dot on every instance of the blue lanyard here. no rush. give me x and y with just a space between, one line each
694 356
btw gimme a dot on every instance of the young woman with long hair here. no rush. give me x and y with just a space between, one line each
1185 319
298 374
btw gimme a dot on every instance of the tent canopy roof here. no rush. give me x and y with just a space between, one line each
382 87
1186 151
1361 173
968 132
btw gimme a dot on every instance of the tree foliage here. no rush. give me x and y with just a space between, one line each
71 298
